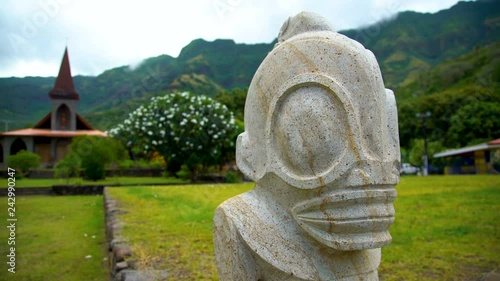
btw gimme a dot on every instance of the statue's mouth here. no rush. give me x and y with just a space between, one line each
351 219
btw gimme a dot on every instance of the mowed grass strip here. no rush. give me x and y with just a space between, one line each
170 227
57 238
446 228
27 182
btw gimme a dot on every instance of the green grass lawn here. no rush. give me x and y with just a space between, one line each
171 227
447 228
54 235
26 182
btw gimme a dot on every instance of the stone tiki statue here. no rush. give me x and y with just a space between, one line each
321 143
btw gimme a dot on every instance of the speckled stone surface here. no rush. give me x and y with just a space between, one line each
321 142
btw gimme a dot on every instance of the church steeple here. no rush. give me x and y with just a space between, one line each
64 87
64 99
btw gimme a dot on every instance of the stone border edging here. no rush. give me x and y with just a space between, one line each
117 251
121 267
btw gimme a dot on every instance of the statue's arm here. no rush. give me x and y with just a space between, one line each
234 259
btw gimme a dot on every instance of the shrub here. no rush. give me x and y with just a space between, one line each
23 161
156 165
184 173
126 164
95 153
142 164
417 153
233 177
183 128
68 167
94 169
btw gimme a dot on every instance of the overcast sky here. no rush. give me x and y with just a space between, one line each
102 34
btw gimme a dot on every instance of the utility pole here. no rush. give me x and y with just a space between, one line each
6 124
424 116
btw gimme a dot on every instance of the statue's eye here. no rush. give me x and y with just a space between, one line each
309 130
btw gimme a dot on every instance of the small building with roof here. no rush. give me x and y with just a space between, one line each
476 159
51 136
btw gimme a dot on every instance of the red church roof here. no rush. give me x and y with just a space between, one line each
64 87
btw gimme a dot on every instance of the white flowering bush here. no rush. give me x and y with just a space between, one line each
184 128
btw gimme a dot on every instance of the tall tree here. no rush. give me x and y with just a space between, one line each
184 128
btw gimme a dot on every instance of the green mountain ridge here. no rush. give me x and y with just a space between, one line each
415 42
463 96
417 53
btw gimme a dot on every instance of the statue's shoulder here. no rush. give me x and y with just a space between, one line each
237 205
234 259
267 232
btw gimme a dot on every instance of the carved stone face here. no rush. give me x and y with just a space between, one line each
322 136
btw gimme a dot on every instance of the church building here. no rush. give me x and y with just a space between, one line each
51 136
